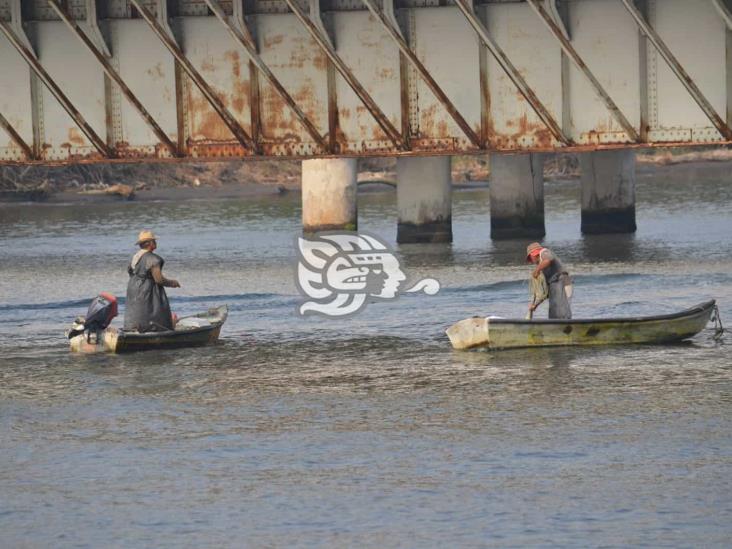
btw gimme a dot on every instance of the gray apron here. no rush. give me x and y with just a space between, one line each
558 301
557 279
146 308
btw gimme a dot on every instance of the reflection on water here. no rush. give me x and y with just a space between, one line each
370 431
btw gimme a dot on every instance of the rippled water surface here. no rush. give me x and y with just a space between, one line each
369 431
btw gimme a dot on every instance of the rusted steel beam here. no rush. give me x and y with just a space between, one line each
723 7
387 7
114 75
346 73
486 119
331 84
568 49
333 120
424 73
240 21
255 108
512 72
678 70
239 133
37 68
15 136
16 23
404 100
251 51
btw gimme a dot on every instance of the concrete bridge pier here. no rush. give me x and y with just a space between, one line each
608 192
329 194
517 196
424 199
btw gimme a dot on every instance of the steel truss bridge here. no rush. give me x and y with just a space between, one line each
93 80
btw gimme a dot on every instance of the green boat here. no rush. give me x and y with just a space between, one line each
502 333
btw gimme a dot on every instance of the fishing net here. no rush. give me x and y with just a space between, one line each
538 292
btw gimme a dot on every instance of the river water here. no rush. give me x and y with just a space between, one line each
368 431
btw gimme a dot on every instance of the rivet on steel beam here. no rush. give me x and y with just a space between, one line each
678 70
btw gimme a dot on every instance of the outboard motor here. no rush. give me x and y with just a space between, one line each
102 310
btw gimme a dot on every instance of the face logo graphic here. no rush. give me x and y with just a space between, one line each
339 273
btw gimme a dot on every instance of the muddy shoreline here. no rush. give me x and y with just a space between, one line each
228 180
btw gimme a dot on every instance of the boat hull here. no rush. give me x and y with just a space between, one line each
498 333
167 340
119 341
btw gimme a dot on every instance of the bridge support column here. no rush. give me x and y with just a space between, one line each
424 199
608 192
329 194
517 196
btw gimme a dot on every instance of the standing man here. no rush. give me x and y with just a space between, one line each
556 276
147 308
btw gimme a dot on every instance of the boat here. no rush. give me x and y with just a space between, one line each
190 331
504 333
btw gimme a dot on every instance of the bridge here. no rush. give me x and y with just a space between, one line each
331 80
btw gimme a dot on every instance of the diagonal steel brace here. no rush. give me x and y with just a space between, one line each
359 90
36 67
165 37
249 47
512 72
114 75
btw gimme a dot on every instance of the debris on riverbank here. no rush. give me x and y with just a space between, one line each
139 181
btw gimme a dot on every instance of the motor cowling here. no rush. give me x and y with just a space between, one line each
102 310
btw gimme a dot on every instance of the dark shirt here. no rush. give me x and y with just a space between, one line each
554 268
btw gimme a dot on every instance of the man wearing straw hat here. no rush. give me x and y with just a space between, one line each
147 308
557 278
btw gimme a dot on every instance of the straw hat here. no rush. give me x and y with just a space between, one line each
530 248
145 236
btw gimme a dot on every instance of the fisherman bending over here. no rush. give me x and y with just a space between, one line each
147 308
556 277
